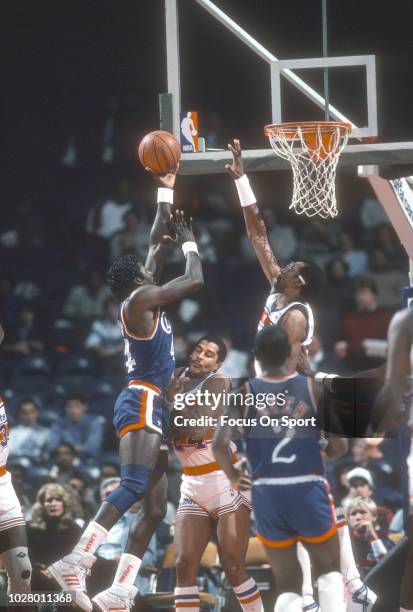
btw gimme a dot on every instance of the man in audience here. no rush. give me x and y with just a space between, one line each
83 431
28 438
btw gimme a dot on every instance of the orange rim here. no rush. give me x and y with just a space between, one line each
289 130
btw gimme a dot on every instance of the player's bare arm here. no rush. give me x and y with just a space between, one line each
158 246
388 403
255 225
1 334
223 435
148 297
294 323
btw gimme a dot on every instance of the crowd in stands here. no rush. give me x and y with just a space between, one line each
62 366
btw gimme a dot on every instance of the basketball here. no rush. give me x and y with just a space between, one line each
160 151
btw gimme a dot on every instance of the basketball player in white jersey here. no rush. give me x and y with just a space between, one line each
291 290
207 496
291 287
13 538
387 410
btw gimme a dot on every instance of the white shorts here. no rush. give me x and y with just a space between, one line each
10 509
210 495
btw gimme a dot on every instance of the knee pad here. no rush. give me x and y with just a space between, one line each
288 602
19 569
133 486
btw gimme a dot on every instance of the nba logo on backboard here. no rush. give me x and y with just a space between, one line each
189 132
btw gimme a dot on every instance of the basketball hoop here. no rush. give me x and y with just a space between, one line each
313 149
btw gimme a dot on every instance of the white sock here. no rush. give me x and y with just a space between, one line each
288 602
348 567
331 592
127 571
248 596
91 538
187 599
304 559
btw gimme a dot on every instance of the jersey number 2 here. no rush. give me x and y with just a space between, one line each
279 447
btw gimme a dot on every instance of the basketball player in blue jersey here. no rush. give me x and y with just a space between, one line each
388 409
290 496
292 287
138 415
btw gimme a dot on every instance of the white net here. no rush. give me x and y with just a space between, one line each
313 151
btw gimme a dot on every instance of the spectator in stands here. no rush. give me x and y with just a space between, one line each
28 438
25 337
387 240
105 338
361 484
369 542
108 218
52 532
65 462
87 301
134 239
356 259
389 281
80 483
361 341
83 431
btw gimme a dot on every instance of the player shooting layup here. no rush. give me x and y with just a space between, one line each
139 417
387 410
207 496
13 538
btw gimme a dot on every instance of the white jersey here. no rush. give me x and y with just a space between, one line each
271 315
195 454
4 436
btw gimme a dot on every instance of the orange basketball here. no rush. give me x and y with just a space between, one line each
160 151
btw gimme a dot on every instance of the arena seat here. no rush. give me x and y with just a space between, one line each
158 600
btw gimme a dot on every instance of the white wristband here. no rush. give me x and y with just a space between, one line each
323 375
246 194
165 195
190 247
378 548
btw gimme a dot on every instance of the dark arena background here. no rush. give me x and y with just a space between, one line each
80 87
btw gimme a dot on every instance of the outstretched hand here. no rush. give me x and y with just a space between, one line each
183 229
236 169
166 180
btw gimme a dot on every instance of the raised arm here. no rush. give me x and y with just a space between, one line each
400 340
157 248
254 223
294 323
150 296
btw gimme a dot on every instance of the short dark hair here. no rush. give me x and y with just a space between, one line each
65 445
222 349
27 400
76 396
314 281
272 346
122 275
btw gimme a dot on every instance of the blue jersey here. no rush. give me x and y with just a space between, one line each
282 438
149 358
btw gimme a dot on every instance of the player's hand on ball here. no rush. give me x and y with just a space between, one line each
166 180
236 169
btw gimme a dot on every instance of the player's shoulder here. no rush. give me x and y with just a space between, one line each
403 320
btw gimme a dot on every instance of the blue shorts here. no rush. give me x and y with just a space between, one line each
140 406
286 513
